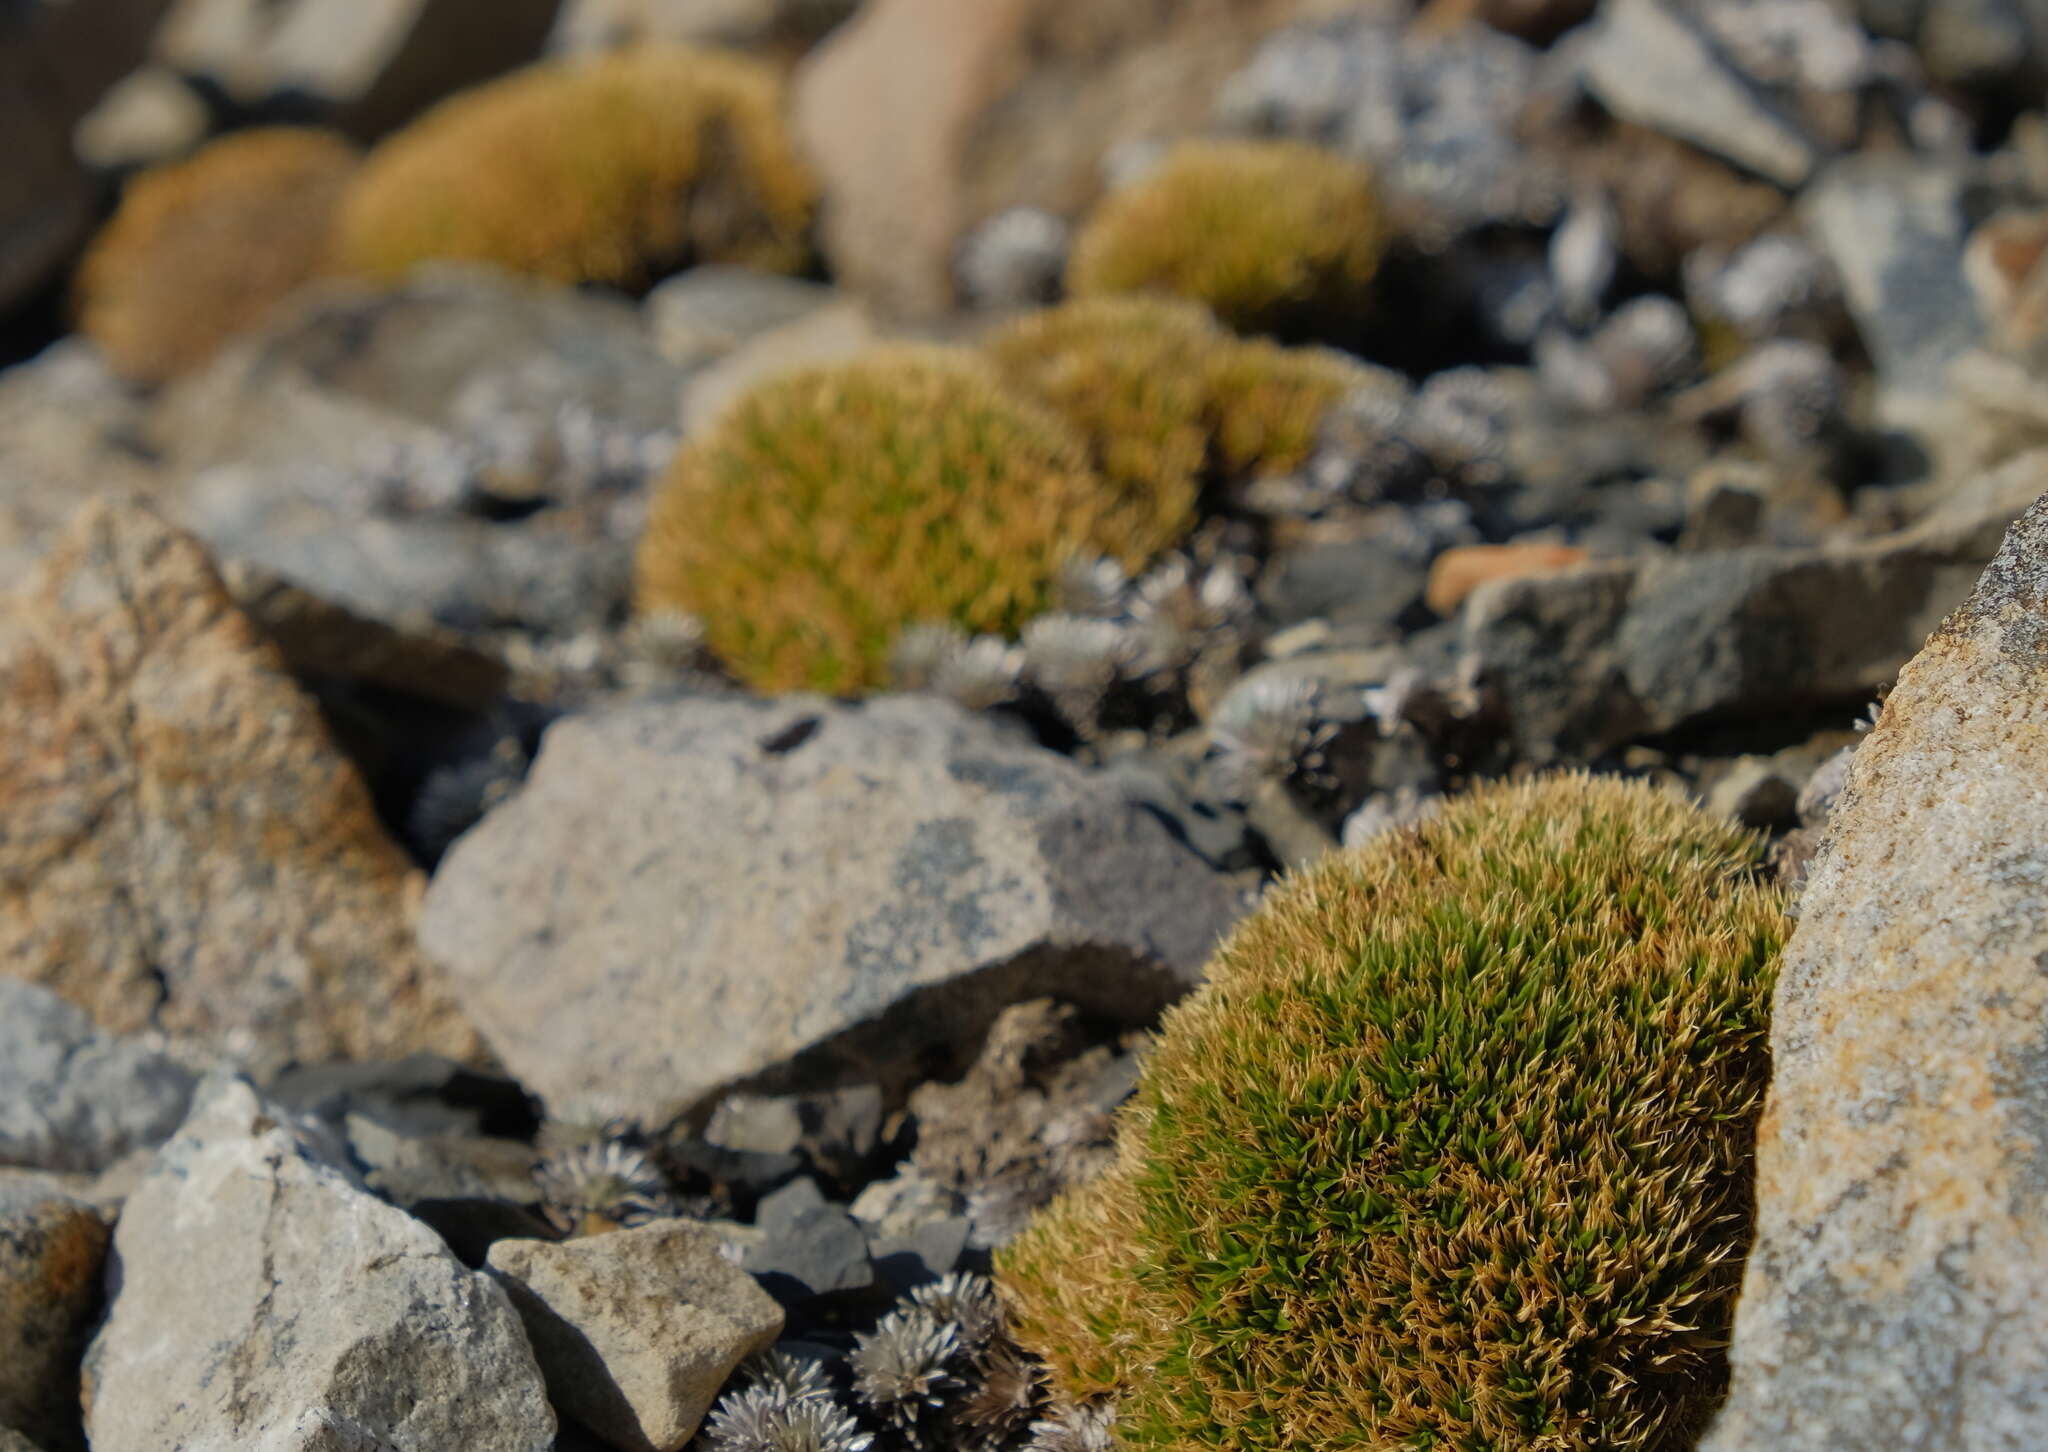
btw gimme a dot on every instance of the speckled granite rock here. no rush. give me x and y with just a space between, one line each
185 848
637 1330
688 895
262 1298
51 1251
1893 1296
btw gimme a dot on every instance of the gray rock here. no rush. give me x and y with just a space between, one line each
72 1098
1893 1295
151 117
707 894
899 1206
51 1251
1586 661
365 68
1648 65
836 1130
1895 230
701 314
809 1247
602 24
466 449
1816 802
1755 793
1014 259
637 1330
264 1298
921 1255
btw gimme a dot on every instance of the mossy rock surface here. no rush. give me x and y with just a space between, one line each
1451 1152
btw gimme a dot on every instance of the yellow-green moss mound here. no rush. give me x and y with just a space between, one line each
202 249
827 509
1271 235
1167 399
1452 1151
611 169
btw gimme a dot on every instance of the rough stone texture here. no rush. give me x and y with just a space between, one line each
51 1251
464 450
56 59
185 848
1894 1295
262 1298
1648 65
1586 661
689 895
924 117
72 1098
637 1330
364 66
68 430
1895 230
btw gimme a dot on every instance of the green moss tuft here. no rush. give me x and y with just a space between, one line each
612 169
1273 236
203 249
829 508
1451 1151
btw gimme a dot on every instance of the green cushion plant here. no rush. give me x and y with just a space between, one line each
1451 1151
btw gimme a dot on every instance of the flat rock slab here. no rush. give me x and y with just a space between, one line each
638 1329
264 1299
1609 652
51 1250
1894 1295
185 848
697 895
72 1098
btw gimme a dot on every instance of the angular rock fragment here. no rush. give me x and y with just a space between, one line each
185 849
264 1299
703 894
637 1330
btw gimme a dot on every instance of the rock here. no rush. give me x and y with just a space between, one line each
1373 578
830 334
69 429
186 850
364 69
1892 1295
783 24
703 313
466 450
72 1098
836 1130
898 1206
149 118
1589 660
926 117
56 59
968 869
1816 800
1755 793
263 1298
13 1441
637 1330
1456 573
921 1255
1895 230
51 1251
1648 65
809 1247
1014 259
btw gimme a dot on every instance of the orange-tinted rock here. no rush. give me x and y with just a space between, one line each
1458 572
51 1252
185 847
